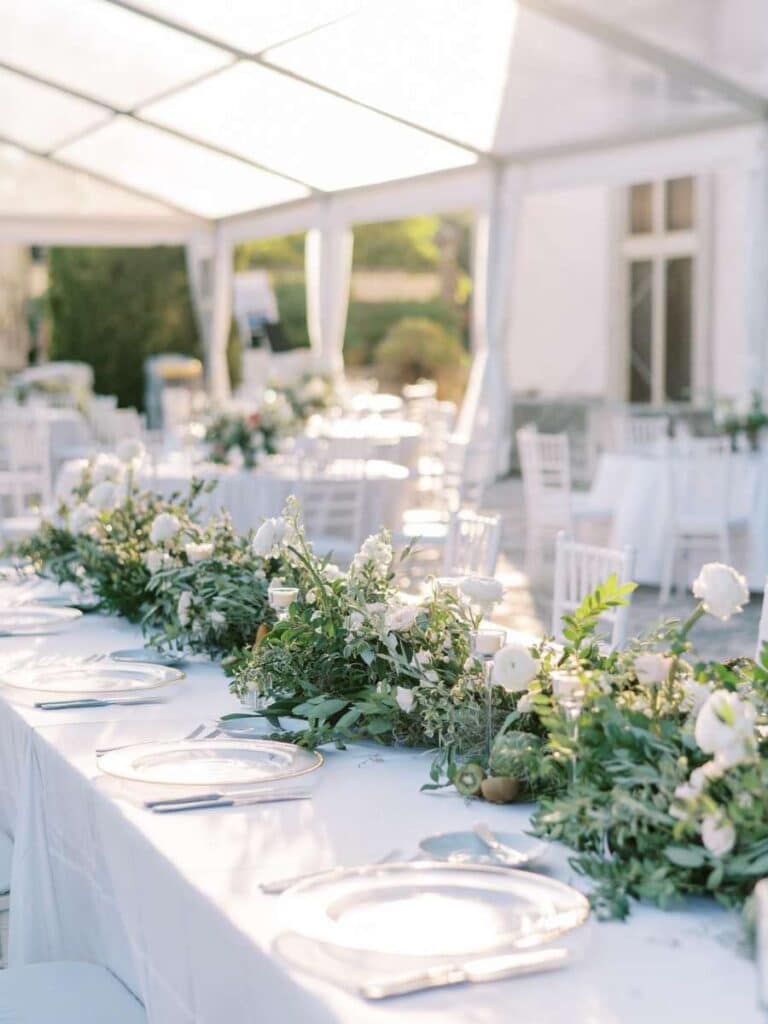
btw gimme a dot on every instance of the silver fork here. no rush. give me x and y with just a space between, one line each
192 736
281 884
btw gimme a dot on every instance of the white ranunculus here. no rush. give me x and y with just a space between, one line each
404 698
696 694
81 517
514 668
721 590
235 457
164 528
106 467
484 591
102 496
718 834
268 537
130 450
652 669
332 572
725 727
400 618
198 552
182 608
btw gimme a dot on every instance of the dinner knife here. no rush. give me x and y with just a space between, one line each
493 968
93 702
272 796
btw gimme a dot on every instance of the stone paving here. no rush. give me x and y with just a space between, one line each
528 605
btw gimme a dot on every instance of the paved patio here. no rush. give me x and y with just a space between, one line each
528 605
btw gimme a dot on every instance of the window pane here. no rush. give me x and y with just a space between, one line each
679 204
678 322
641 209
640 330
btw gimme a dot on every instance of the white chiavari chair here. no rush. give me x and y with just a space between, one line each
66 992
25 477
699 520
472 545
579 568
642 435
6 856
333 510
550 503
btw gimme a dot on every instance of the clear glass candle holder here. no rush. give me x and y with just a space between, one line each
486 642
447 585
281 599
568 689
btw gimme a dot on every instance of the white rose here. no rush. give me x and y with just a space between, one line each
514 668
81 517
696 694
311 597
106 467
399 619
375 551
718 834
102 496
404 698
268 536
164 528
725 726
182 608
332 572
198 552
652 669
235 458
130 450
484 591
721 589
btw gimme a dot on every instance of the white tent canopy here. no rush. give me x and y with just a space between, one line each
141 121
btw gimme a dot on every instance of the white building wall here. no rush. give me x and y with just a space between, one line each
729 254
560 328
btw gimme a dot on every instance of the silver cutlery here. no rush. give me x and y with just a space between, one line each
501 851
92 702
281 884
196 804
193 735
475 971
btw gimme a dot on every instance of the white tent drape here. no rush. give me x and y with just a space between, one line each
328 263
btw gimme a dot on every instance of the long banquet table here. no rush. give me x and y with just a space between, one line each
173 906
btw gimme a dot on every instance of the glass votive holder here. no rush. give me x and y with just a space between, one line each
568 690
450 585
486 643
281 599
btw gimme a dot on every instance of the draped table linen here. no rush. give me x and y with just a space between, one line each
172 904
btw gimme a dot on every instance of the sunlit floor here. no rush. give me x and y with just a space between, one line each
528 607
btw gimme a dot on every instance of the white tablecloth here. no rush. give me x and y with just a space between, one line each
251 496
173 905
635 488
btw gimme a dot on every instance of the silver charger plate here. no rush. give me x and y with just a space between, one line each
83 602
458 846
210 762
147 655
94 679
248 727
433 909
35 619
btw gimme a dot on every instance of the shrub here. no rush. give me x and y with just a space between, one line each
369 322
417 347
114 307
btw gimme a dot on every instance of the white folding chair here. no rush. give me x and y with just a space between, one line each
642 435
579 568
6 856
66 992
550 504
472 545
333 514
25 479
698 519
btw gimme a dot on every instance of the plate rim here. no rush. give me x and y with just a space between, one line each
318 755
58 616
86 668
530 859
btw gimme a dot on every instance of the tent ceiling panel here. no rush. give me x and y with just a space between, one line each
239 24
729 36
300 131
31 186
175 171
40 117
101 50
438 63
566 88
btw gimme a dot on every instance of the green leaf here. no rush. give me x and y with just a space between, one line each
686 856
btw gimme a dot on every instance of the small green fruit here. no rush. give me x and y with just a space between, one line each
469 778
500 790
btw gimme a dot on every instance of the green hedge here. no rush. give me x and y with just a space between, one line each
114 307
369 322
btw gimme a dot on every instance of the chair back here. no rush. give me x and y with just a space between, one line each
25 447
579 568
699 482
472 544
333 513
546 468
642 435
